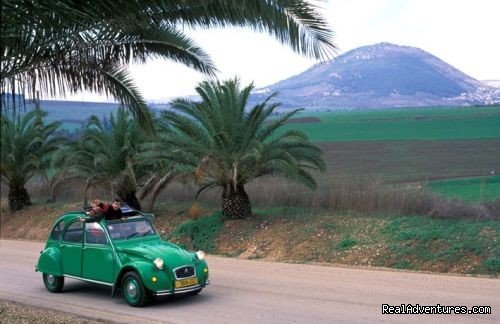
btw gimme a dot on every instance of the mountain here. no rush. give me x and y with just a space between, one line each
381 75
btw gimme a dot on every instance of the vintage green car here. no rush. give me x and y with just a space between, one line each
123 254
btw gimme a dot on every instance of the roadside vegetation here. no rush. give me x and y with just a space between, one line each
304 235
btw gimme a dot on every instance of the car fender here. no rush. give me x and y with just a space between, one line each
50 261
202 270
147 271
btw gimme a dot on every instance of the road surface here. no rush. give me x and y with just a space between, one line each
244 291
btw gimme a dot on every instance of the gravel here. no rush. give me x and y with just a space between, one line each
12 312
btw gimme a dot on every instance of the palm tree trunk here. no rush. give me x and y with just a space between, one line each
18 197
235 204
130 199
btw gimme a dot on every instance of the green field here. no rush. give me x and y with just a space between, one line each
469 189
403 124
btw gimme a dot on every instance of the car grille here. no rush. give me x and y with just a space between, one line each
184 272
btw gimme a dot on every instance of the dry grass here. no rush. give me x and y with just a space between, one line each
195 211
346 193
369 198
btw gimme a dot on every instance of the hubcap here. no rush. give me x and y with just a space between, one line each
51 279
131 289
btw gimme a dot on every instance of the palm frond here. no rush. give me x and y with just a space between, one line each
237 145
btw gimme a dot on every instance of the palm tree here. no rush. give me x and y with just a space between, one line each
107 158
26 144
60 46
228 146
161 162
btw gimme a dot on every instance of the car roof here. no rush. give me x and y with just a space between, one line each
126 210
69 216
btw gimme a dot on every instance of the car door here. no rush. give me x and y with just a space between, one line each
71 249
98 257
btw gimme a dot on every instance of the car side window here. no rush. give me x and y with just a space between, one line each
56 232
94 234
74 233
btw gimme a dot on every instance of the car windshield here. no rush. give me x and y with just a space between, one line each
130 228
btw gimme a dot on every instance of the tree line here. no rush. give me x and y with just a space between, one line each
217 141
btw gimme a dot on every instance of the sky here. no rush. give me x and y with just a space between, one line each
462 33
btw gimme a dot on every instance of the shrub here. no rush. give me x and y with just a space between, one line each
492 264
200 233
347 242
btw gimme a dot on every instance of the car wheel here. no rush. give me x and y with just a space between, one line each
53 283
133 289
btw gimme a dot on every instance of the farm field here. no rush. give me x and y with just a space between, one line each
469 189
411 145
402 124
408 161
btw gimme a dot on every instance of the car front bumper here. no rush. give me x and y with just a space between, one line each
180 291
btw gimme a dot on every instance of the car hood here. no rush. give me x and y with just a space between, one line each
173 256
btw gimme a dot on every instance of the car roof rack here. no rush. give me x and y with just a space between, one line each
127 211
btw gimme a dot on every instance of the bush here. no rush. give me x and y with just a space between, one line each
200 233
347 242
492 264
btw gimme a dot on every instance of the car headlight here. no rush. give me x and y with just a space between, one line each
158 263
200 255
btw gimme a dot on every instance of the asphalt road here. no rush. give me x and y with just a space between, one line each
243 291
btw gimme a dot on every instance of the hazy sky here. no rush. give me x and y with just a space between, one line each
463 33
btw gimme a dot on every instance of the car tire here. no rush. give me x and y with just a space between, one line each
53 283
133 290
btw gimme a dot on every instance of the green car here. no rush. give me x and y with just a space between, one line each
123 254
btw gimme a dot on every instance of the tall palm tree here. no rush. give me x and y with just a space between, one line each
68 45
26 143
107 158
228 145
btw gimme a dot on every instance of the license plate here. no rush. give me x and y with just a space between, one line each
186 282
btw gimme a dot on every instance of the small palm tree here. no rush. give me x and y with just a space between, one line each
228 146
26 144
107 158
61 46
